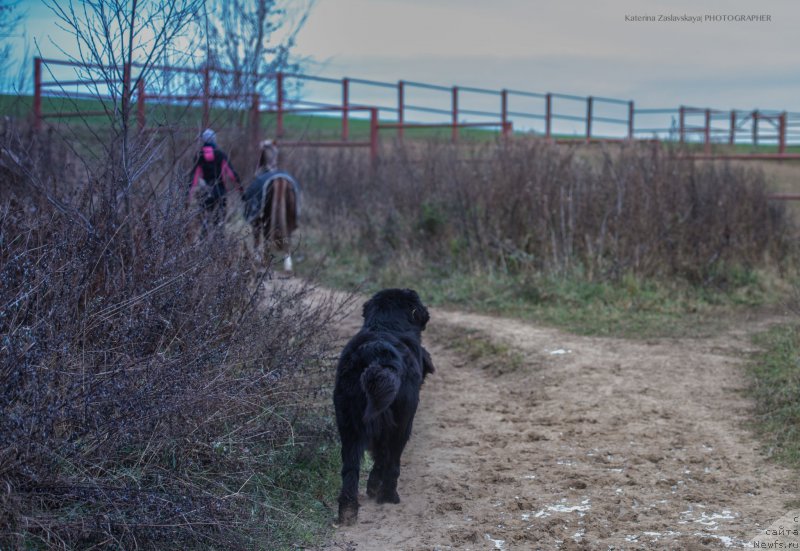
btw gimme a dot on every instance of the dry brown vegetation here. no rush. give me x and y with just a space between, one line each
152 384
529 207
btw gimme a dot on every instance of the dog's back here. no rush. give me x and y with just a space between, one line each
378 377
376 395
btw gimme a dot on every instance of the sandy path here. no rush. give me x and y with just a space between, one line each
593 443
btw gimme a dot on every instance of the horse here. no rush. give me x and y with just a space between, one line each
272 205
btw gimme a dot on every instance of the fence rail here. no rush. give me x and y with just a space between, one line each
588 119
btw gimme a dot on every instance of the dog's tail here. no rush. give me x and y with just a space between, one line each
381 383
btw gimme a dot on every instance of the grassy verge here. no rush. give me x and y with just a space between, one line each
633 307
775 374
630 242
300 487
475 348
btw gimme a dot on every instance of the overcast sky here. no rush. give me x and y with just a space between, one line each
582 47
575 46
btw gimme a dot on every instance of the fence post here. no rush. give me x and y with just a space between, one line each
401 104
206 95
140 97
782 133
682 124
454 133
126 94
345 106
707 133
37 93
508 131
255 116
732 136
548 115
755 127
504 111
589 104
279 103
631 112
373 134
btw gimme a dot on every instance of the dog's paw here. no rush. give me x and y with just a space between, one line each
388 497
348 514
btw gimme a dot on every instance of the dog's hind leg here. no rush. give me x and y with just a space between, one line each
352 450
391 469
375 480
379 453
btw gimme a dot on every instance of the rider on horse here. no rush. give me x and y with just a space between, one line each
272 204
214 168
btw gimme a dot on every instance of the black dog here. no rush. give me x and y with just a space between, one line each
378 379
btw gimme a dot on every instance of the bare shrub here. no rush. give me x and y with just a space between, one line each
146 378
533 207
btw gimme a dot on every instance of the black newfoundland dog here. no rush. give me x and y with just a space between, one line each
378 379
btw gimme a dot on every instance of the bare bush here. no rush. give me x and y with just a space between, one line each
532 207
145 382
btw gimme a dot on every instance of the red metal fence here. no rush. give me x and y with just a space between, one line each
529 112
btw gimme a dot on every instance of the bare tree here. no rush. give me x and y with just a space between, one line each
118 43
10 17
113 35
254 38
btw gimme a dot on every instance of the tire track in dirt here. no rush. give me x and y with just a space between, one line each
592 443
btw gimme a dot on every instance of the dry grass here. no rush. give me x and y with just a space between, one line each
529 208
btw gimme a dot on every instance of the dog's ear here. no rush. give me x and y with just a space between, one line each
366 310
420 315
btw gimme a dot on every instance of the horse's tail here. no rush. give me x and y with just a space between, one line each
279 228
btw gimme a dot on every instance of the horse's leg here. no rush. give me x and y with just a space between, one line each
278 219
283 243
265 225
273 213
257 227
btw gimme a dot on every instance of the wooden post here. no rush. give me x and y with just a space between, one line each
400 108
126 93
589 105
504 111
37 93
707 133
548 115
255 119
454 133
755 127
631 112
373 134
782 133
682 124
206 96
508 131
345 107
140 98
279 102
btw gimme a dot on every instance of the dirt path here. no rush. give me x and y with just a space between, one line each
592 443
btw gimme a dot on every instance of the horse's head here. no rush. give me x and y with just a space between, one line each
268 157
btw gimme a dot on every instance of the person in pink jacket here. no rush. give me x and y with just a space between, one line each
214 168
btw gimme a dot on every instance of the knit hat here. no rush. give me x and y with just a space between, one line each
209 136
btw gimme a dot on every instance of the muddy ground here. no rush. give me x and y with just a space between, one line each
588 443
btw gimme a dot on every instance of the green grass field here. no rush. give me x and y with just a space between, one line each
296 127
